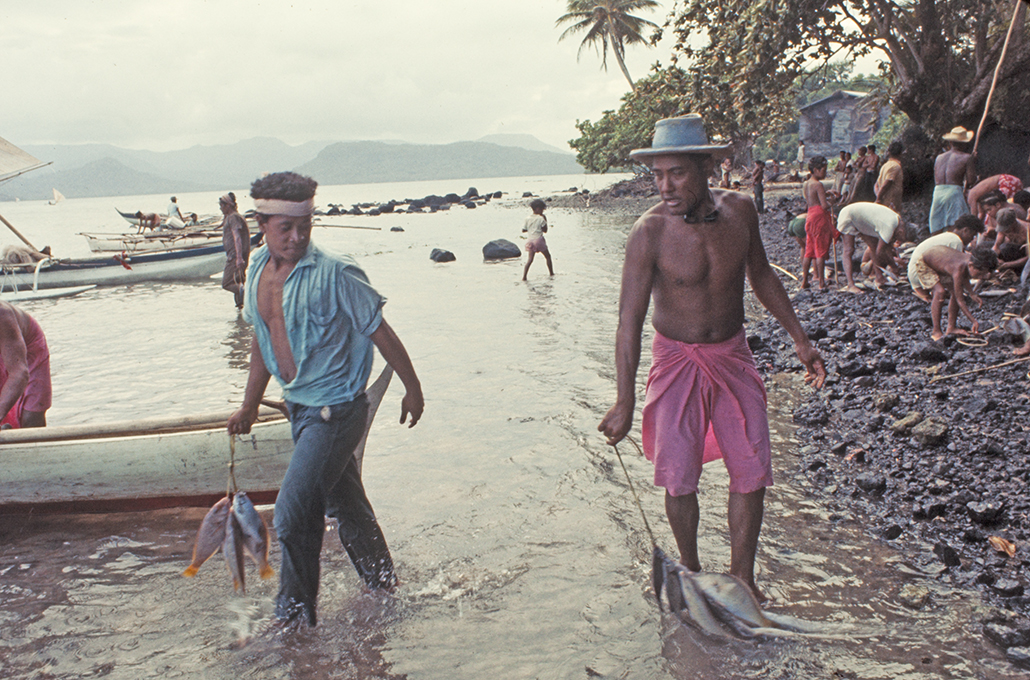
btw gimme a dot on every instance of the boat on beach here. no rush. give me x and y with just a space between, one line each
139 465
154 241
151 464
115 270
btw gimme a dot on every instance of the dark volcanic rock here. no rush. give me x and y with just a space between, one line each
1008 588
501 249
930 432
929 352
871 483
947 554
439 255
985 513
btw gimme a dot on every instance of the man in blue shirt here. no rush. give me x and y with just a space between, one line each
315 320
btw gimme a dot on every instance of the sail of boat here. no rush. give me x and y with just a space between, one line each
15 162
58 197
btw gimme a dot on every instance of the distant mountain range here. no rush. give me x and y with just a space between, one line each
86 170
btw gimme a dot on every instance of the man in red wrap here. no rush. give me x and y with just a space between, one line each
25 392
705 399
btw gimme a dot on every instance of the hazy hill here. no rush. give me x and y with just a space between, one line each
523 141
105 177
354 162
103 170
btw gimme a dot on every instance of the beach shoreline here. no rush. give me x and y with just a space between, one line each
928 458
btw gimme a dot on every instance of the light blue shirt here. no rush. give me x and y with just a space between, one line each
330 311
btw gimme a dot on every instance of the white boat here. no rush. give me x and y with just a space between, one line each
151 242
150 464
116 270
141 465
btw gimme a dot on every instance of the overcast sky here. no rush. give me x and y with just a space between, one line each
162 75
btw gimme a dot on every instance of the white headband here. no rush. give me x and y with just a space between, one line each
275 206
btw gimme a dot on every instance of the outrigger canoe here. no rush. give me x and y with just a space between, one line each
149 464
142 465
116 270
152 242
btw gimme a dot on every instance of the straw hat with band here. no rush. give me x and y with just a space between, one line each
959 134
683 134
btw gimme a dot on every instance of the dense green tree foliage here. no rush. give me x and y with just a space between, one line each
747 65
939 55
608 23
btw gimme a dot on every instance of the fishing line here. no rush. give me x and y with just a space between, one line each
231 487
632 488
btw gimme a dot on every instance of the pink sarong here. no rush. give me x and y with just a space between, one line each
37 395
705 402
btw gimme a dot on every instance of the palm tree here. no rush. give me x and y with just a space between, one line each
607 22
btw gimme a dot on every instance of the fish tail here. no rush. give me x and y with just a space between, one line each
191 571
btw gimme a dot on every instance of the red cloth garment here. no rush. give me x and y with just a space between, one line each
705 402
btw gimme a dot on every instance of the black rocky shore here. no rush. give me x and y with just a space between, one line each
929 458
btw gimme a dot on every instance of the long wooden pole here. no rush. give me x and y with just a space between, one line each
997 69
18 233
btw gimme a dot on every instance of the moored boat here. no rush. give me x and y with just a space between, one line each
174 265
150 464
140 465
152 242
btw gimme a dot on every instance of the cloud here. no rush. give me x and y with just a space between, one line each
157 75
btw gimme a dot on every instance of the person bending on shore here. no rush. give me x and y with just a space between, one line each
535 228
1006 185
880 228
25 390
796 229
954 171
954 270
316 319
819 229
1012 240
963 232
236 241
691 253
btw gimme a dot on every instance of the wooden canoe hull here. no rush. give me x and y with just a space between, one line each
139 471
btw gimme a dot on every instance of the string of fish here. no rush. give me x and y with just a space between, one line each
235 526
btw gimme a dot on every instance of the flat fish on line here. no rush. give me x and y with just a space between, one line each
254 531
210 536
703 599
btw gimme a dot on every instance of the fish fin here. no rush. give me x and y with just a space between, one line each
267 571
191 571
793 624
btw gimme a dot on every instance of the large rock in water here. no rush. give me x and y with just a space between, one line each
501 249
440 255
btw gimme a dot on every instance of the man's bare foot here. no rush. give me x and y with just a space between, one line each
921 295
853 289
956 331
804 284
936 335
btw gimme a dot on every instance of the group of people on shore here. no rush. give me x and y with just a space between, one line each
976 228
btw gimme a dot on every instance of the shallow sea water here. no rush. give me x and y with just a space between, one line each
520 549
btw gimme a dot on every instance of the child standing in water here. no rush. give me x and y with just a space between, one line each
819 229
535 228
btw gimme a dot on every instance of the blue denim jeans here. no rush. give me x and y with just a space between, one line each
323 479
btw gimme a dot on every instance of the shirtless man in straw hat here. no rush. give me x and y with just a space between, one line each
705 399
954 172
